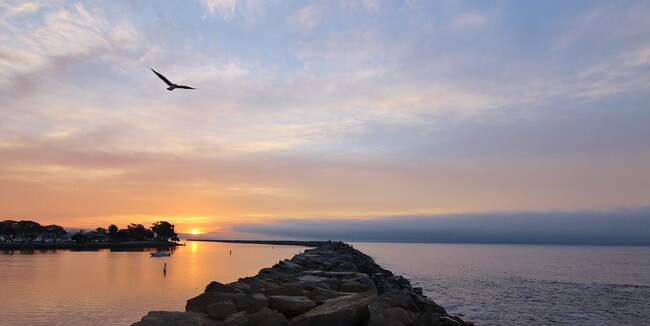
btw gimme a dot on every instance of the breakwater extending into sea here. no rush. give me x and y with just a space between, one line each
333 284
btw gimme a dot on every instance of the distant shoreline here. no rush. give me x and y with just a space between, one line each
269 242
86 246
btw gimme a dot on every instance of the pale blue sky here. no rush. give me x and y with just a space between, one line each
328 109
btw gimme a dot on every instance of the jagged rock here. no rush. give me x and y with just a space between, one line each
291 289
175 318
276 275
238 319
201 302
215 286
353 287
287 264
360 283
394 298
347 310
320 295
251 303
267 317
382 314
291 306
221 309
313 281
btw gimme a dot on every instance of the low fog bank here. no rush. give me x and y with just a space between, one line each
620 227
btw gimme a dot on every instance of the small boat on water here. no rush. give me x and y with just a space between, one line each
160 254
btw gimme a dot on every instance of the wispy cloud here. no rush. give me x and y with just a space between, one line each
307 17
226 8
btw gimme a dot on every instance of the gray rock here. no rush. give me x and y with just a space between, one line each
382 314
347 310
345 266
201 302
402 299
251 303
175 318
221 309
315 281
267 317
238 319
215 286
319 295
291 306
287 264
354 287
291 289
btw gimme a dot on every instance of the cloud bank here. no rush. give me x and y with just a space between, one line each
622 227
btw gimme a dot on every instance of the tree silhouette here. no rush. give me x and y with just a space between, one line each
164 231
55 232
29 230
112 231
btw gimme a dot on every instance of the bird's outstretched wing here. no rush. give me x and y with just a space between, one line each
162 77
185 87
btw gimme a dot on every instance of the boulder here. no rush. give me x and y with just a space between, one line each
221 309
355 287
238 319
290 289
382 314
402 299
287 264
319 295
215 286
291 306
315 281
251 303
344 266
267 317
201 302
346 310
175 318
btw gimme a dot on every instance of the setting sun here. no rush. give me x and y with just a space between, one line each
195 232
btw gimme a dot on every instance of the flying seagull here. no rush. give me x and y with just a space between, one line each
172 86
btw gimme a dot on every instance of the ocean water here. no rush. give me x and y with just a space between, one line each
119 287
527 284
486 284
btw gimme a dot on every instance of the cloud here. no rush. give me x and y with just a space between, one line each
12 9
370 5
225 7
307 17
619 227
61 37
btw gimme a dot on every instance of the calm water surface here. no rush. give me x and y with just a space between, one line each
117 288
486 284
527 285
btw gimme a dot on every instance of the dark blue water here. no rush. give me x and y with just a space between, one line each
527 285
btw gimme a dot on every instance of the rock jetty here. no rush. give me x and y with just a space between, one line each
333 284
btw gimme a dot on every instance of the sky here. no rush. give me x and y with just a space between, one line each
345 114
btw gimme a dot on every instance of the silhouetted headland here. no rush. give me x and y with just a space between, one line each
332 284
